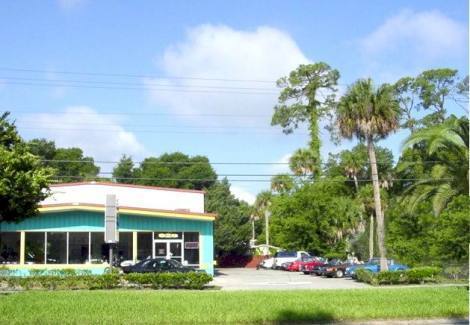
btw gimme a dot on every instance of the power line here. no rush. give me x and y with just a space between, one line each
211 92
184 163
321 180
132 126
116 130
131 75
32 112
154 84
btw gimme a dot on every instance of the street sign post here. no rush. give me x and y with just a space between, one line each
111 233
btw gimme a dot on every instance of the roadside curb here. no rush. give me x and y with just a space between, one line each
435 321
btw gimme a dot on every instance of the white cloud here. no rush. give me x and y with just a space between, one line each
243 194
70 4
221 52
80 126
425 35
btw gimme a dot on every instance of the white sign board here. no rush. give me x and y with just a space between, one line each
111 233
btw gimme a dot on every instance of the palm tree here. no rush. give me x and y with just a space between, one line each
370 114
352 163
448 144
282 183
303 162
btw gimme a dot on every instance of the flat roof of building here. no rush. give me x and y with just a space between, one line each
128 185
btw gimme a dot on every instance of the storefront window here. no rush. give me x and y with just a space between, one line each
191 247
144 245
9 247
78 247
34 252
56 248
99 249
124 250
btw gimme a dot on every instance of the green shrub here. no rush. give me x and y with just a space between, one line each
422 274
391 277
190 280
411 276
66 281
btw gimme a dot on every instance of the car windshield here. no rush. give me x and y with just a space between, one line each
307 259
286 254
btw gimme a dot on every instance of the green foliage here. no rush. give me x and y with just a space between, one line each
175 170
232 228
354 163
69 164
451 232
124 171
412 276
190 280
447 144
282 183
317 217
430 92
302 99
367 112
23 180
70 281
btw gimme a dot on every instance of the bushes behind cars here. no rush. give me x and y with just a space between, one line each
71 281
412 276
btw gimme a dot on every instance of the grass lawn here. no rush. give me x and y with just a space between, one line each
175 307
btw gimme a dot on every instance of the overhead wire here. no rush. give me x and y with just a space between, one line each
321 180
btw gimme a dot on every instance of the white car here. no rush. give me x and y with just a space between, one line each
286 257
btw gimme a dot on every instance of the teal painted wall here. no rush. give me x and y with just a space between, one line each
94 221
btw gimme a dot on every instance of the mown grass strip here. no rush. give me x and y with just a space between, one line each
176 307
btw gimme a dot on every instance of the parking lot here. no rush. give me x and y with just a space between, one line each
252 279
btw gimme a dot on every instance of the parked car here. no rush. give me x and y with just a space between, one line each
308 264
335 268
373 265
285 266
157 265
318 269
266 264
287 256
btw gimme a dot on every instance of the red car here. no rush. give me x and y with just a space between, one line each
308 266
304 264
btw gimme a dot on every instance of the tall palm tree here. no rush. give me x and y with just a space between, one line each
447 143
370 114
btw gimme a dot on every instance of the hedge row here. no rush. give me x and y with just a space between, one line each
190 280
412 276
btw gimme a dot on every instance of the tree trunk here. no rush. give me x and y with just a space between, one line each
356 184
371 237
378 205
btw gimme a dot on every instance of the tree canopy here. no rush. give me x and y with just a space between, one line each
24 180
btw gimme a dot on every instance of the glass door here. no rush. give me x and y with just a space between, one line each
175 249
161 250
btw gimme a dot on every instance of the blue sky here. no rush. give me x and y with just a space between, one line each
151 112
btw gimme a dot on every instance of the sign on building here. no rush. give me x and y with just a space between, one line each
111 233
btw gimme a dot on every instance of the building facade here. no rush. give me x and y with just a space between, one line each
69 230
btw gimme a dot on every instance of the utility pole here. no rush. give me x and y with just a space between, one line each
371 237
267 214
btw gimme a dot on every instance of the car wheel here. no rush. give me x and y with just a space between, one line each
339 274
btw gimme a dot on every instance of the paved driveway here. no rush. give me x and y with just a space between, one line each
252 279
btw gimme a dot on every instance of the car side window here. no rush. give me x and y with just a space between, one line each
164 264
